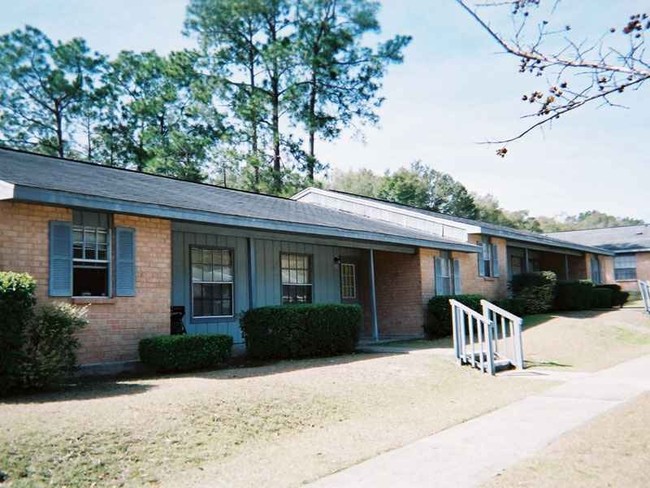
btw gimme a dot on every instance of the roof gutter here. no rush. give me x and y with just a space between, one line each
55 197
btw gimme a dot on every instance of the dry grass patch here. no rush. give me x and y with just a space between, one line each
612 450
276 425
586 341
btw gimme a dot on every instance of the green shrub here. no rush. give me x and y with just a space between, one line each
295 331
50 345
515 306
602 298
619 297
438 322
574 295
16 309
536 290
185 352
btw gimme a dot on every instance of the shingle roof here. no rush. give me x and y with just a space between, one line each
618 239
492 229
54 180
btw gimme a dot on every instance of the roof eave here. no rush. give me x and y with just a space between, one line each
55 197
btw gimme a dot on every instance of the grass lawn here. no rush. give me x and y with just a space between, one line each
612 450
275 425
585 341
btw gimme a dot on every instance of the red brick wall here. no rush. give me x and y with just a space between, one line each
472 283
398 282
115 325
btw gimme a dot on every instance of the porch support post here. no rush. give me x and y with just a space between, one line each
566 267
252 273
526 264
373 298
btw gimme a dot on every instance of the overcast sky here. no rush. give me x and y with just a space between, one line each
453 90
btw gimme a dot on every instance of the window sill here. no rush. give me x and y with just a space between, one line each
92 300
628 280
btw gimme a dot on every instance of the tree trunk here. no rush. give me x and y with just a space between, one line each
311 157
275 113
254 116
59 128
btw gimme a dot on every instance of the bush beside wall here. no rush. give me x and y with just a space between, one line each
574 295
298 331
37 345
185 352
438 322
602 298
535 290
619 297
515 306
16 309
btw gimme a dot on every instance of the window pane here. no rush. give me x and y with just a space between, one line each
296 294
90 280
211 300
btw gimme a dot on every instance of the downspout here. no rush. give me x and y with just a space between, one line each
373 297
566 267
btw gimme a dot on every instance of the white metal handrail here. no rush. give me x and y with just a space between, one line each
507 333
644 288
473 337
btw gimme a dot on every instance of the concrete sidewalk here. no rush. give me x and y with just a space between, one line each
471 453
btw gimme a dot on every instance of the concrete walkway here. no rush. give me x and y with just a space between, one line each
471 453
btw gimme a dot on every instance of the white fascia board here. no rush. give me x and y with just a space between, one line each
6 190
470 229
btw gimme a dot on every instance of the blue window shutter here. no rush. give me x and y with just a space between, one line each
457 286
60 259
495 261
440 285
479 257
124 262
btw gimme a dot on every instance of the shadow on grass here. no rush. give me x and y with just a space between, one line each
545 364
240 368
85 389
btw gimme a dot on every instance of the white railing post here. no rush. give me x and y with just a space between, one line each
644 288
519 346
510 325
490 351
454 326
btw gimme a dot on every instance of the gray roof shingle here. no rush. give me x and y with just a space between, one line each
62 176
618 239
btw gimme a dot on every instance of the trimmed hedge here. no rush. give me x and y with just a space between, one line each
438 322
16 309
536 290
515 306
602 298
619 297
298 331
185 352
574 295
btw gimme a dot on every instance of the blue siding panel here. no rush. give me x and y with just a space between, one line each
268 286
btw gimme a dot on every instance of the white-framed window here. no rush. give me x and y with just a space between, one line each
488 262
296 271
625 267
212 282
447 275
91 254
348 281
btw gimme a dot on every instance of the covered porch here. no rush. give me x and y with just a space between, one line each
565 263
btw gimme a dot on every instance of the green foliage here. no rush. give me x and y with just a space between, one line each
574 295
50 345
439 322
619 297
42 89
185 352
515 306
489 210
296 331
419 186
16 309
602 298
536 290
37 346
